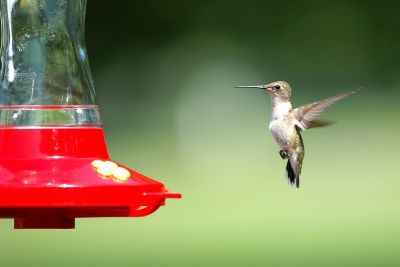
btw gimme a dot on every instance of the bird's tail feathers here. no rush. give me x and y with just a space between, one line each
291 176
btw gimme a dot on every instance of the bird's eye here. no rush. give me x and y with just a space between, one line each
277 87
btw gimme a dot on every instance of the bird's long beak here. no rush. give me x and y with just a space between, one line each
251 86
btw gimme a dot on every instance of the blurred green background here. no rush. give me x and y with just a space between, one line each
165 73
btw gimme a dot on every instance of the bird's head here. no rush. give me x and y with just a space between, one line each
279 89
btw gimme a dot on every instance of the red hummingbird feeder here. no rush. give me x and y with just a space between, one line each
54 164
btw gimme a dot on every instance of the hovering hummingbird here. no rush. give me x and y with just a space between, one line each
286 124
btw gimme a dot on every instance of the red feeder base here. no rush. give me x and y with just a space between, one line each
47 180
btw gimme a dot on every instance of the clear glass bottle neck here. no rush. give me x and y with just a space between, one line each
45 79
43 54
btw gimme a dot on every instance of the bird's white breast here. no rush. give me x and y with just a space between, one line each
273 126
281 109
278 131
279 124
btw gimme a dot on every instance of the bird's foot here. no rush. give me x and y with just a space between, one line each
283 154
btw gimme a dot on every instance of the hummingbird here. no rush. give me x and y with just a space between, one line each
287 123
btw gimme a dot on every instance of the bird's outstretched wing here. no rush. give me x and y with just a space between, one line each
307 116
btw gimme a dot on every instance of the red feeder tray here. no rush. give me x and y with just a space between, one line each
46 179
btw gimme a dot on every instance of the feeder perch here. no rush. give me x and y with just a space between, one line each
54 164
